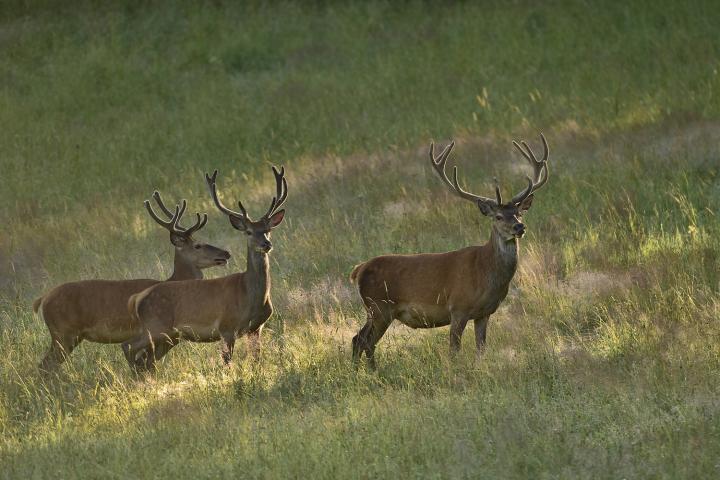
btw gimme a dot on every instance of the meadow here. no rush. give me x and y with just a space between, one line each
604 360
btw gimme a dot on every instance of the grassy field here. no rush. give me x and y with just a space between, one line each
604 360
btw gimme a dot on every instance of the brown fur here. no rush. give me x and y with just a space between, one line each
434 289
210 310
96 310
437 289
456 280
194 310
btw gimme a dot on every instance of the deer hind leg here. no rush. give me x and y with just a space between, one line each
378 321
163 345
376 332
140 352
359 341
59 351
156 340
153 350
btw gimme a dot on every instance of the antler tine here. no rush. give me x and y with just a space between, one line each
200 223
525 193
282 187
280 191
179 212
272 208
178 228
165 224
441 160
439 163
498 196
540 168
161 204
242 209
210 180
172 224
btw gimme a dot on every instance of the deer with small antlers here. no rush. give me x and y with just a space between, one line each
96 310
221 309
437 289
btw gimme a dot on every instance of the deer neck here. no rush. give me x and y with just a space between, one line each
257 276
505 257
184 270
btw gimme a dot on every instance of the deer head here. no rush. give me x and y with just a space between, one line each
197 254
258 232
507 215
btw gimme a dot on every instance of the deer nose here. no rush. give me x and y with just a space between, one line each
519 228
222 257
266 245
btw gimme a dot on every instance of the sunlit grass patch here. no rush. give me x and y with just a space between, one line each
602 362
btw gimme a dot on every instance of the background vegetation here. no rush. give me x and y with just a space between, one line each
604 361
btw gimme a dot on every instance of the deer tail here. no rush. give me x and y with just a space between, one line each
37 304
132 306
355 272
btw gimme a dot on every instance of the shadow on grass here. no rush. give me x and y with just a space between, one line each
310 410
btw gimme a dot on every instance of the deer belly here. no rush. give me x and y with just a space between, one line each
418 315
208 332
110 331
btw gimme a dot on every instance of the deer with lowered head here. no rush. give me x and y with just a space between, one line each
96 310
437 289
220 309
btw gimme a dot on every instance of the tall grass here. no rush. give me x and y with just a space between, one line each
603 362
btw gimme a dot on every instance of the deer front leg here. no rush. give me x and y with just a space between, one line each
228 345
140 352
254 344
480 331
458 321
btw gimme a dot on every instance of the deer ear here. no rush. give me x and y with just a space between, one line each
486 209
177 240
526 204
237 223
277 218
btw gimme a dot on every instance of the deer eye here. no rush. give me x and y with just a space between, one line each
498 217
196 247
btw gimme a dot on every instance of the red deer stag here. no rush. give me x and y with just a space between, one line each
211 310
96 310
437 289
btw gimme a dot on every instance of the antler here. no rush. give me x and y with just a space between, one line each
200 222
280 192
210 180
540 169
172 224
439 163
161 204
277 201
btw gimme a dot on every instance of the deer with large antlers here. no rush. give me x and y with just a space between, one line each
96 310
221 309
437 289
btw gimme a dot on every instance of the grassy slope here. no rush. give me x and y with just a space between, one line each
603 362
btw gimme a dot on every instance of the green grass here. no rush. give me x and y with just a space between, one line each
603 362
